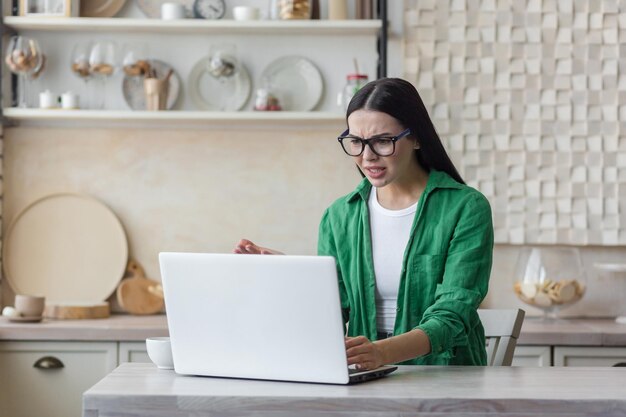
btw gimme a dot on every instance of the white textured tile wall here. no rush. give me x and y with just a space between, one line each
529 98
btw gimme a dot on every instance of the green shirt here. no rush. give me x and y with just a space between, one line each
445 268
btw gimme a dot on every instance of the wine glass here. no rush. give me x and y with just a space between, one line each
135 59
80 64
549 278
23 57
102 65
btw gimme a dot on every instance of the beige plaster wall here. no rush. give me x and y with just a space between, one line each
202 190
189 190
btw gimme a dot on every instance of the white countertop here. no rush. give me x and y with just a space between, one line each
143 390
567 332
119 327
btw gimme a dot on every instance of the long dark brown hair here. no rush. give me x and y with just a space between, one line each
399 99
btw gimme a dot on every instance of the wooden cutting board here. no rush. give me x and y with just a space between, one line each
66 247
138 294
74 311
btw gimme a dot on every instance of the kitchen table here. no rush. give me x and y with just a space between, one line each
143 390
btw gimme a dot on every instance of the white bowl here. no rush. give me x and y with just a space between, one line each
160 352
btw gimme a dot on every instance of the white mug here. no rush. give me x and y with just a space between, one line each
69 100
47 100
246 13
172 11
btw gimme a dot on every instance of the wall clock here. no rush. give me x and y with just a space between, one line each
209 9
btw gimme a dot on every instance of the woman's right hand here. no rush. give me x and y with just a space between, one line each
249 248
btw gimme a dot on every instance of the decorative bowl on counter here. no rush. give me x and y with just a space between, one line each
549 278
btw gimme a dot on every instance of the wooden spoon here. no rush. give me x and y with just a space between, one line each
134 294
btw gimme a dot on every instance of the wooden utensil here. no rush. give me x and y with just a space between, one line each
138 294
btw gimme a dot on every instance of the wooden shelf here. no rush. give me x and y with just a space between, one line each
222 27
179 119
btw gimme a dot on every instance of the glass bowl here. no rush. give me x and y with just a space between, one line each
549 278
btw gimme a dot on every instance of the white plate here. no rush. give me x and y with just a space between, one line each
132 87
218 93
65 247
152 8
295 81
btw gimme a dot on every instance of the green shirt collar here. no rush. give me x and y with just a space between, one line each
436 179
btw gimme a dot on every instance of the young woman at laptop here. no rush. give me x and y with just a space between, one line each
413 243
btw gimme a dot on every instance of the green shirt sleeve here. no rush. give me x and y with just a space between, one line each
465 281
326 247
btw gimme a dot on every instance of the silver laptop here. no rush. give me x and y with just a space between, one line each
257 316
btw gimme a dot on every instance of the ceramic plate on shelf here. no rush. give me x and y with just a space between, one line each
65 247
219 93
152 8
100 8
132 87
295 81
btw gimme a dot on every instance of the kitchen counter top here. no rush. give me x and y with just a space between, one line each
118 327
572 332
567 332
143 390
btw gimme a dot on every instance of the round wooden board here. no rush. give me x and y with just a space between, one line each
65 247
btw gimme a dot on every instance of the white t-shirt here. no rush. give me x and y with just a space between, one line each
390 235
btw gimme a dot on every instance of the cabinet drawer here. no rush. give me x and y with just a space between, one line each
133 352
55 386
589 356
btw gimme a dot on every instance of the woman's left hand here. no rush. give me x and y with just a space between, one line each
363 353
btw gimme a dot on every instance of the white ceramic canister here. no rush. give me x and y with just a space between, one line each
69 100
47 100
172 11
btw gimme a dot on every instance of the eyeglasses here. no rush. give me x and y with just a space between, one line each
381 145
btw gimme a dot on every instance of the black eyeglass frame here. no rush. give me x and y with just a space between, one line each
368 142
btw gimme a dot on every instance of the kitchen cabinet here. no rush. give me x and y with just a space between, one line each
64 371
589 356
132 352
47 379
532 356
602 356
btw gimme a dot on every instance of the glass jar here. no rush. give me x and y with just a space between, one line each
290 9
549 278
353 84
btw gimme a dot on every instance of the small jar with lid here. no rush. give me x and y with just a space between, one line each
354 83
290 9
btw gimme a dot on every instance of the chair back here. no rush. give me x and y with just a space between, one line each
502 329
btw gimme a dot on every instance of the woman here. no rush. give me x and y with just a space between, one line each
413 243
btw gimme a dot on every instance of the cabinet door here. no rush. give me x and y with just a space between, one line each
48 379
589 356
532 356
133 352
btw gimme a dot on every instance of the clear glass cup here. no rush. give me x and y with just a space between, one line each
549 278
23 57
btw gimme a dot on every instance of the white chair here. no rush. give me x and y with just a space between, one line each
502 328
